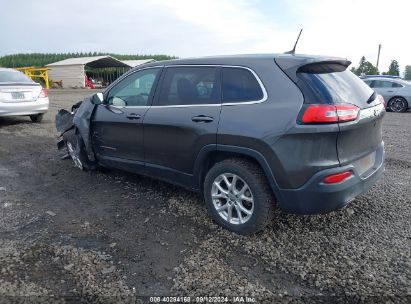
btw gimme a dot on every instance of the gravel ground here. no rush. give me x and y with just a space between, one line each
112 236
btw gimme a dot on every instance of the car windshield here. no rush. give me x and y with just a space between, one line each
14 77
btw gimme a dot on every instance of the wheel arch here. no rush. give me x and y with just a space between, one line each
211 154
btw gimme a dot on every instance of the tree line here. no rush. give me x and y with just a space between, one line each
367 68
41 59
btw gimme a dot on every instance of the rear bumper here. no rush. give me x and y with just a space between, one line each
41 105
316 197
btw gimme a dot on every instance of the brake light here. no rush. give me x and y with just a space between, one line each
337 178
329 113
43 93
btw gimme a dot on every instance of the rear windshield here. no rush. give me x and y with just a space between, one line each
14 77
332 83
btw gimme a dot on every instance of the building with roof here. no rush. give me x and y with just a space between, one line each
134 63
72 72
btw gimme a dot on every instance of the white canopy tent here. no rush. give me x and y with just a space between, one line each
134 63
71 72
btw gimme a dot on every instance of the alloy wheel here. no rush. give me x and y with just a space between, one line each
232 198
397 105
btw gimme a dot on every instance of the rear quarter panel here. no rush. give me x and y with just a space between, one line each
270 128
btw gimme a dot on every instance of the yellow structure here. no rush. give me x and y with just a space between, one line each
34 72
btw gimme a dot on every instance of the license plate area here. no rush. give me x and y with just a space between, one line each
365 163
17 95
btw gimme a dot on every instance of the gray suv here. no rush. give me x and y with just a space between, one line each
249 132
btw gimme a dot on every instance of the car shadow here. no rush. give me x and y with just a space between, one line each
12 121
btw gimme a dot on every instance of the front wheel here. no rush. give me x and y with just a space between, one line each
398 104
238 197
76 150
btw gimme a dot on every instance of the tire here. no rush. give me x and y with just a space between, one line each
76 150
397 104
36 118
260 211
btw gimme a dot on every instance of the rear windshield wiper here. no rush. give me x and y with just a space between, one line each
372 97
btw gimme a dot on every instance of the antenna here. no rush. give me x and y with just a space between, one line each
378 58
295 45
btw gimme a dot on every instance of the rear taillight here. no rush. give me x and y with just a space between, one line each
329 113
43 93
337 178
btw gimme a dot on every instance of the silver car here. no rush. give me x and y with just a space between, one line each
396 92
21 96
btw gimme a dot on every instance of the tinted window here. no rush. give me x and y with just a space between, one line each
368 82
14 76
332 85
396 85
240 85
134 90
189 86
382 84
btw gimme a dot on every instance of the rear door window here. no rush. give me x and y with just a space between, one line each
328 83
191 85
240 85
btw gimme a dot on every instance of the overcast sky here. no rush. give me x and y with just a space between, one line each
200 28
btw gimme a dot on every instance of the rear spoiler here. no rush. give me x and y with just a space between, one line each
291 65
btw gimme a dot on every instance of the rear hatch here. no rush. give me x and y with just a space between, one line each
329 83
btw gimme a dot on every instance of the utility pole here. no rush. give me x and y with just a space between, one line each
378 58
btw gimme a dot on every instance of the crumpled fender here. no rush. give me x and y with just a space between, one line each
82 120
79 118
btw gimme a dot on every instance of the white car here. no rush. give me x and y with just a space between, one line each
21 96
396 92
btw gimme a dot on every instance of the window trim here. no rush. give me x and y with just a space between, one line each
263 99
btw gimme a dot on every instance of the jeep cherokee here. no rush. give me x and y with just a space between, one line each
250 132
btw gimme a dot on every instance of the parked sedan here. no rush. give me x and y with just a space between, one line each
21 96
396 92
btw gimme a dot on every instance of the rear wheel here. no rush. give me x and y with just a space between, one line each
238 197
36 118
398 104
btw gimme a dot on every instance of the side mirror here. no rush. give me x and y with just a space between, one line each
97 98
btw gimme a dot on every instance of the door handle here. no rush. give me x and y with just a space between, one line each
202 118
133 116
390 91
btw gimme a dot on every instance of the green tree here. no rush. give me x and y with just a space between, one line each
394 68
365 67
407 72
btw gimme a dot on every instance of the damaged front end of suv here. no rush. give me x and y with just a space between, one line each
74 132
